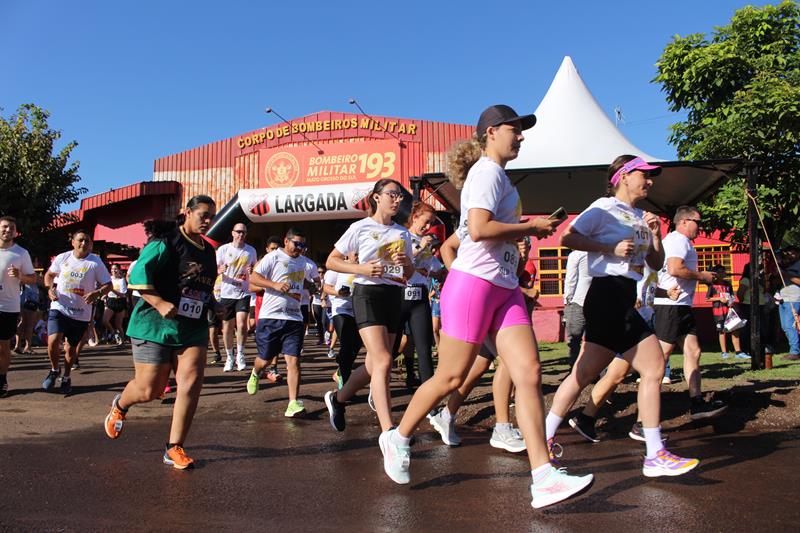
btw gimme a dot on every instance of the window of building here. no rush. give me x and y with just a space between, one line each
709 255
552 270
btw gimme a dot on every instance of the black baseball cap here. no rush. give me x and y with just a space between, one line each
502 114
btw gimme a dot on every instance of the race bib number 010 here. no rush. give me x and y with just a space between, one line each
190 308
413 293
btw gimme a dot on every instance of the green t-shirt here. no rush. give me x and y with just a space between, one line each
146 322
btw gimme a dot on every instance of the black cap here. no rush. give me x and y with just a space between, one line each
502 114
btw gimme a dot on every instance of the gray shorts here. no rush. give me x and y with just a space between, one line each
153 353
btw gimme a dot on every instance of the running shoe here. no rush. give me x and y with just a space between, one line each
327 337
446 428
725 355
742 355
50 381
396 459
4 390
252 383
217 359
114 419
76 365
557 486
294 408
666 380
584 425
637 432
118 339
241 364
336 411
273 375
555 450
92 342
176 458
667 464
228 365
331 354
337 378
703 409
508 439
66 386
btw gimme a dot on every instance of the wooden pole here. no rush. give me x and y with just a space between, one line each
757 361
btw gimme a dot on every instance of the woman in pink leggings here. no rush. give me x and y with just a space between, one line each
482 296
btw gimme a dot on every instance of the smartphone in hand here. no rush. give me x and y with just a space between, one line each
559 214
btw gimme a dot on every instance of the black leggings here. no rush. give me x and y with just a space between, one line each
321 319
349 344
417 314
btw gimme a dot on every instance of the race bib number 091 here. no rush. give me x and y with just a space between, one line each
413 293
190 308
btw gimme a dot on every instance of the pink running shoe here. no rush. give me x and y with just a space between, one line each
667 464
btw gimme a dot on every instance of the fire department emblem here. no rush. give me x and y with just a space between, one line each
281 170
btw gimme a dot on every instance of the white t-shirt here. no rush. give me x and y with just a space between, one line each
424 260
340 305
281 267
75 279
120 285
646 292
677 245
487 187
607 220
135 293
577 279
236 277
375 241
791 293
311 271
16 256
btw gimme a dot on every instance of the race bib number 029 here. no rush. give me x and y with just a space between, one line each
393 271
190 308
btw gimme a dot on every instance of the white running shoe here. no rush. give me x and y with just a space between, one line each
558 486
508 439
446 428
241 364
228 365
371 402
331 354
396 459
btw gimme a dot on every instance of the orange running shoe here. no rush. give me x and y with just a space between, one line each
114 419
176 457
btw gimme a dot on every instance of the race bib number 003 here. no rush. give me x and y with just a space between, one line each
413 293
190 308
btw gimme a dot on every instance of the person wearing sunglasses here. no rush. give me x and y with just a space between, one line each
235 261
283 275
674 320
384 265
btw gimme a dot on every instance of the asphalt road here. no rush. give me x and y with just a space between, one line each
259 471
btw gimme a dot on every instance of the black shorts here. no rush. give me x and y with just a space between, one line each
378 305
304 312
233 306
213 320
275 337
8 325
673 322
73 330
612 320
117 305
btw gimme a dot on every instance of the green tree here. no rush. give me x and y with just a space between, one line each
740 90
35 181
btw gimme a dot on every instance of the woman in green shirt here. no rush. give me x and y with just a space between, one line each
168 327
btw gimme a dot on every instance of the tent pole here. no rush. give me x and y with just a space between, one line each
757 361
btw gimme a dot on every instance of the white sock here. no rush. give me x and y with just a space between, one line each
228 353
506 425
446 414
398 439
540 473
240 349
652 436
551 424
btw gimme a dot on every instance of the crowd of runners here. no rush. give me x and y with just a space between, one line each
388 290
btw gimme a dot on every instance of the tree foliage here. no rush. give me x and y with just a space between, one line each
740 90
35 181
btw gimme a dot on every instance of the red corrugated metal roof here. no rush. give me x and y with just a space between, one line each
128 192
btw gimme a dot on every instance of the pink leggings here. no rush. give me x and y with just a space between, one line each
472 307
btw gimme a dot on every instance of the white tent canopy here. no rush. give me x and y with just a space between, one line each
571 128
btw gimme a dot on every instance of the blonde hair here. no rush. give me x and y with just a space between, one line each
461 157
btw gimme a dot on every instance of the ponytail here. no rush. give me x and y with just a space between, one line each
461 157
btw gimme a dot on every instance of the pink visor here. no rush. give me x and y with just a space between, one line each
637 163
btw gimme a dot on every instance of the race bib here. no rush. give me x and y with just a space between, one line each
413 293
393 271
190 308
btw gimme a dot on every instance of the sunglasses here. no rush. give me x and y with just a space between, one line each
298 244
695 220
240 231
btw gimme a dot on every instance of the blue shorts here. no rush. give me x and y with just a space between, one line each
72 329
436 309
274 337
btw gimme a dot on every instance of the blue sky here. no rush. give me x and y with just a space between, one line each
138 81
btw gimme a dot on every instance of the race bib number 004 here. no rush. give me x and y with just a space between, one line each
190 308
413 293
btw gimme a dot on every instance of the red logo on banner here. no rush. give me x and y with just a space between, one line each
261 208
281 170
